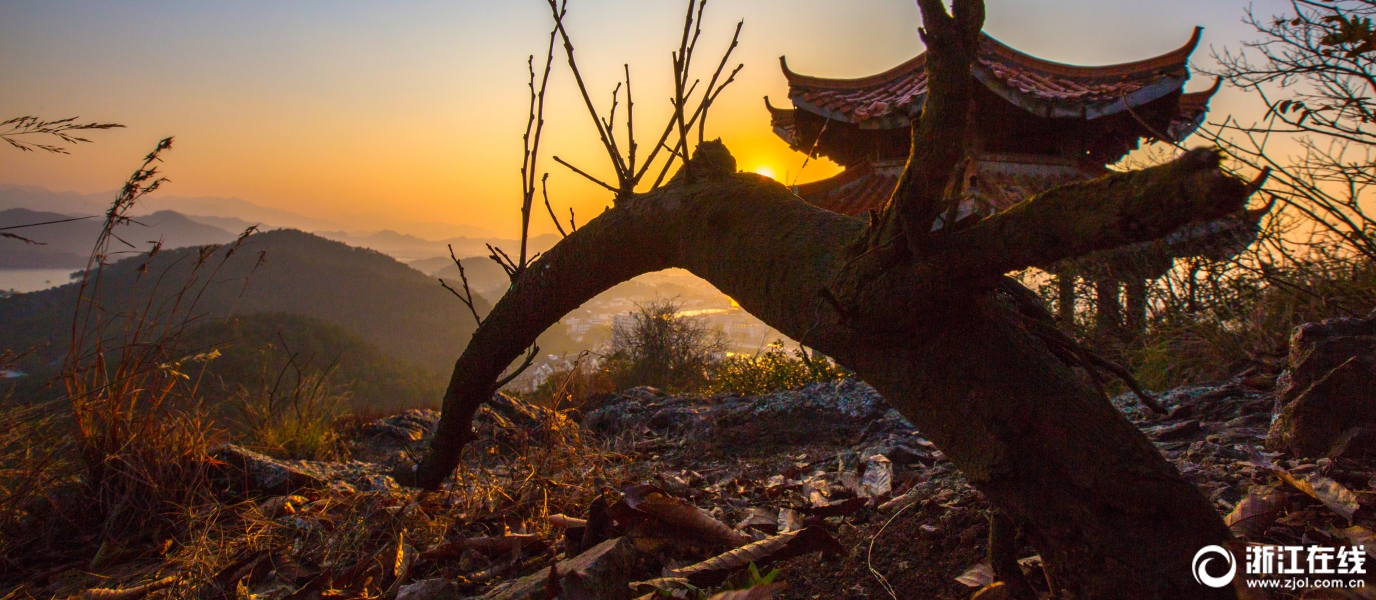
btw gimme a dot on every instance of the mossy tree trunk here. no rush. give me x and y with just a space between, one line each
926 317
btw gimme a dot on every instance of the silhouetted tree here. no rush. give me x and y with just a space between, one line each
926 316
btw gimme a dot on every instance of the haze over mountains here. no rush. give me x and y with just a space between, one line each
227 213
181 221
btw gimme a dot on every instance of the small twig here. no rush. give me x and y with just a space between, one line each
530 359
811 152
630 129
45 223
544 189
589 177
505 261
869 555
467 296
20 238
29 125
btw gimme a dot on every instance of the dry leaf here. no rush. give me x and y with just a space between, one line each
878 478
682 515
1260 501
790 520
133 593
993 591
552 586
978 576
402 561
759 592
764 552
1361 536
279 506
488 546
566 521
839 509
1332 494
759 518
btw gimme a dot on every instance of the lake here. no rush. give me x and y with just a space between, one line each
32 280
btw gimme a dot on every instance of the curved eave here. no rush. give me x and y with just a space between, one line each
782 120
1194 108
912 65
1174 63
1173 59
1061 109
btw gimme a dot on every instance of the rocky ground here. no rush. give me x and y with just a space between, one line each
826 484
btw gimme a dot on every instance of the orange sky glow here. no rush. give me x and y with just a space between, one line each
372 116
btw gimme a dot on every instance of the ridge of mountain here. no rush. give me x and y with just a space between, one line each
67 245
383 301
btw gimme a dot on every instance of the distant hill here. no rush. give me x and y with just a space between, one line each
410 248
232 224
232 214
253 349
67 245
399 310
485 277
36 198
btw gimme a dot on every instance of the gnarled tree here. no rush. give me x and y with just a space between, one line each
927 316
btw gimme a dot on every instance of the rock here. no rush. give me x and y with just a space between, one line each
252 472
247 472
429 589
410 426
602 573
1329 390
848 411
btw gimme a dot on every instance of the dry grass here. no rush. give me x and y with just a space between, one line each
510 483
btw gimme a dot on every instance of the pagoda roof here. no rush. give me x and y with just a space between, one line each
853 191
1044 88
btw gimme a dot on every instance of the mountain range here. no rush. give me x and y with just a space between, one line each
214 210
66 245
408 247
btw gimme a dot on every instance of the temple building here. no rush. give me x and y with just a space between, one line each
1038 124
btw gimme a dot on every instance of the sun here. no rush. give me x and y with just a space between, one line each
766 171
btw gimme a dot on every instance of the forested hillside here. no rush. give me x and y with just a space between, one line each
385 303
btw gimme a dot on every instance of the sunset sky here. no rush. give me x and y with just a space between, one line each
371 114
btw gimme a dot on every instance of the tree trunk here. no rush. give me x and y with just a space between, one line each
1111 517
1135 290
926 317
1108 309
1065 298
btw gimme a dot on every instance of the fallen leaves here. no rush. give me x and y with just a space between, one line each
683 516
1332 494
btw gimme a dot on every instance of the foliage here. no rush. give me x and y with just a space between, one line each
772 370
661 348
140 433
291 413
253 349
1314 70
398 309
1315 253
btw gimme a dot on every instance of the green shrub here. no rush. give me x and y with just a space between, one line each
773 370
663 349
291 413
